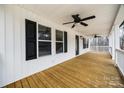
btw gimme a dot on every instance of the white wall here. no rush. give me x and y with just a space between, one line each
12 48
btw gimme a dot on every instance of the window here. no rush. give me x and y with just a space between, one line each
122 37
44 48
59 36
59 41
85 43
44 40
44 33
59 47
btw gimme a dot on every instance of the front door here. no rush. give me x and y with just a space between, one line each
77 45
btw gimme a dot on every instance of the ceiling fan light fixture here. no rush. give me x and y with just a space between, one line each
73 26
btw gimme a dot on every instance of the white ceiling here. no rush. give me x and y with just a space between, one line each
60 13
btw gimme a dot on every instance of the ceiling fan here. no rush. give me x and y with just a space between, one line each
96 36
77 19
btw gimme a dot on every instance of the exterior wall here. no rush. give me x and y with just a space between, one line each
13 65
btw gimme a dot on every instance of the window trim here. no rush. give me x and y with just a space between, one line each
43 41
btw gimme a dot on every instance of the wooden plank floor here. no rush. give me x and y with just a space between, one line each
88 70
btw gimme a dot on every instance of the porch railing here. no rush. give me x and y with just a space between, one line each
101 49
120 60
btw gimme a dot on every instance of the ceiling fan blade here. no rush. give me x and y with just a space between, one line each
73 26
84 24
87 18
67 23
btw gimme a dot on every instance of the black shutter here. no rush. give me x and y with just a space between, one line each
31 39
65 42
84 43
87 43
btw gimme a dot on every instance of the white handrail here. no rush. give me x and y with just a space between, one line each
101 48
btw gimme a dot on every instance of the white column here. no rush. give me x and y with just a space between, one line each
117 37
2 42
113 42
